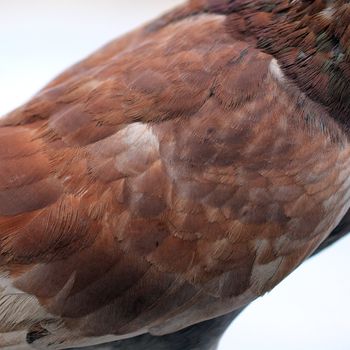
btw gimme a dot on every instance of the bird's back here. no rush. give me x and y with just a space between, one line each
173 176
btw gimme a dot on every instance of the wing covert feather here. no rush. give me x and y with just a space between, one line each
167 179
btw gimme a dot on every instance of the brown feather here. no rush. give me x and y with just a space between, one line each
175 175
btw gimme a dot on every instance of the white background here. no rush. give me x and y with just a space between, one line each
39 38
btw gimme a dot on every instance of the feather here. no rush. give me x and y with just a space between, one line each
176 175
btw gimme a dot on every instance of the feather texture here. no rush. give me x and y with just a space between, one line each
174 176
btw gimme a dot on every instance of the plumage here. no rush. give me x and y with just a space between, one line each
204 335
176 174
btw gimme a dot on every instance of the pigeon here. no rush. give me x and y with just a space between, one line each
175 175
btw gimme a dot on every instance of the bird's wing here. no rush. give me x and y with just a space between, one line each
167 184
205 335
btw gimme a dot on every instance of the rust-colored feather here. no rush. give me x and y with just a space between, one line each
177 174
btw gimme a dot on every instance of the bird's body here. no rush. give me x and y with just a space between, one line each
175 175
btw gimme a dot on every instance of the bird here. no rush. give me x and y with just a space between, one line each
175 175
